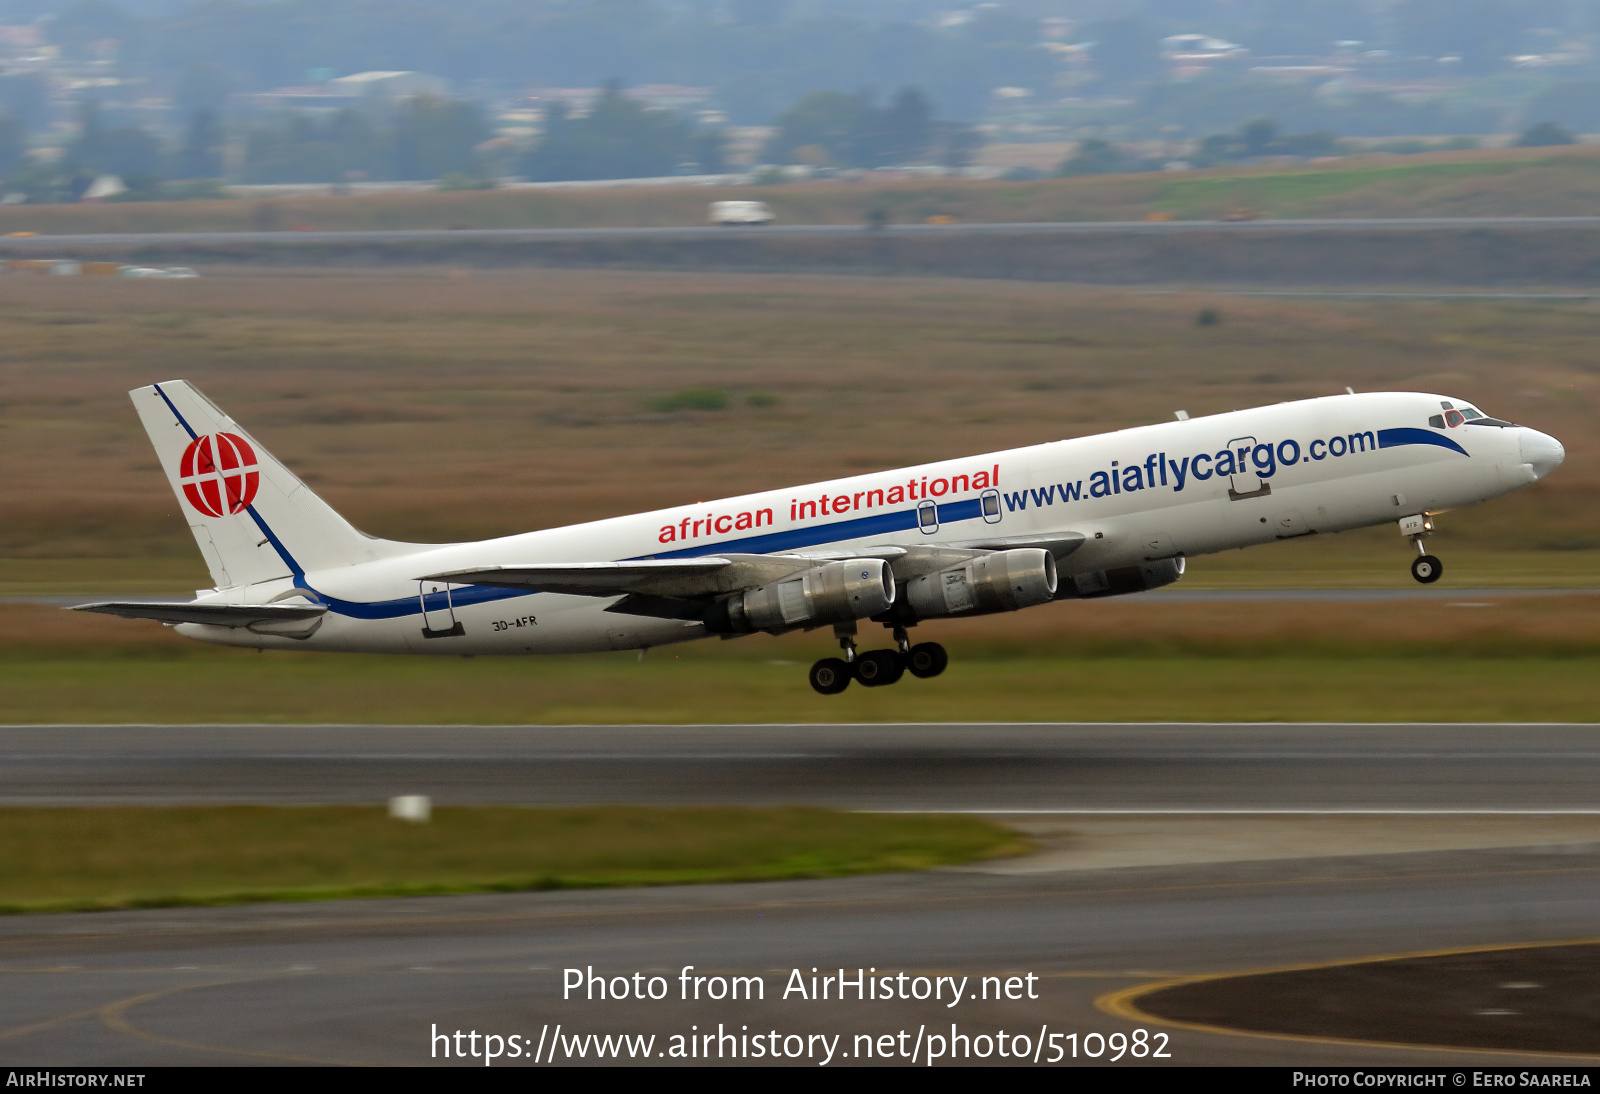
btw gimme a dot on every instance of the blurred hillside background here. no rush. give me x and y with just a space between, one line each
166 99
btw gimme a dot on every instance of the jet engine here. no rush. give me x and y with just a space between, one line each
832 593
1000 582
1122 579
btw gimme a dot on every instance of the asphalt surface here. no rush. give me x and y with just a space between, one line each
1522 999
47 244
369 981
977 768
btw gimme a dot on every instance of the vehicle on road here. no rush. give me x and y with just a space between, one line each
740 213
157 273
1075 519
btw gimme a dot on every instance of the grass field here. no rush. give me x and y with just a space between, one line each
438 408
95 859
435 409
1483 659
1502 182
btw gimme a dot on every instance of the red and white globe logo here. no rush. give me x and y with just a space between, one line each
218 474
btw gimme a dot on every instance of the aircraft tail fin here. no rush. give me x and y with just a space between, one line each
252 518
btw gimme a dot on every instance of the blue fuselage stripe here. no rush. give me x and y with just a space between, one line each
794 539
1395 438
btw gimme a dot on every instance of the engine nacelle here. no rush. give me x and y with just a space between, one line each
831 593
1000 582
1123 579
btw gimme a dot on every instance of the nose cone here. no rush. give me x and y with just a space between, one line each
1541 452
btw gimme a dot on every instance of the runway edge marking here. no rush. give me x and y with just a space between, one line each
1122 1003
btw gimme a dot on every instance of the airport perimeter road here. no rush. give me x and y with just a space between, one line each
65 243
940 767
370 981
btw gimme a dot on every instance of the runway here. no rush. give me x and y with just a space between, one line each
1529 254
67 243
937 768
1259 846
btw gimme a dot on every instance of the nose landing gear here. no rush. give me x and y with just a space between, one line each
1425 567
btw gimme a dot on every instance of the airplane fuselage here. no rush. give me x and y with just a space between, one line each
1139 497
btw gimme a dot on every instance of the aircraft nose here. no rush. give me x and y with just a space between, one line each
1541 452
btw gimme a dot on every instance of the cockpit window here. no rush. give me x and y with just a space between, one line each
1462 415
1454 416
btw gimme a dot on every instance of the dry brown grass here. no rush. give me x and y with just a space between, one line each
437 409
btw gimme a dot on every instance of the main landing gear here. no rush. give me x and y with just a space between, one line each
876 668
1425 567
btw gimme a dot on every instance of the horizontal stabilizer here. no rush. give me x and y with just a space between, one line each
216 615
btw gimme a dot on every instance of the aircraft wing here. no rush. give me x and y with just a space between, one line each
678 588
673 577
217 615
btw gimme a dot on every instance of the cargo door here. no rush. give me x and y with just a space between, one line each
438 611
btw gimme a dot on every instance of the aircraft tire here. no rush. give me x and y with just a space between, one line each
927 660
1427 569
830 676
879 668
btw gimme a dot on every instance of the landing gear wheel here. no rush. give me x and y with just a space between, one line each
1427 569
830 676
879 668
927 659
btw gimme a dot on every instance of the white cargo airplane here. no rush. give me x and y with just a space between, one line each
1074 519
